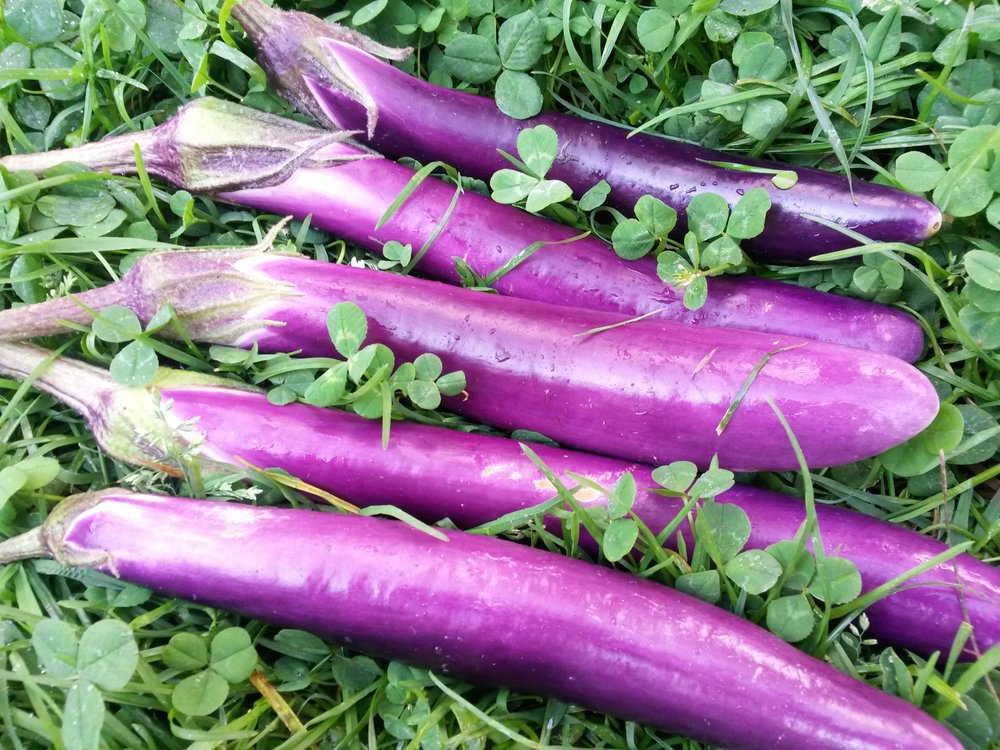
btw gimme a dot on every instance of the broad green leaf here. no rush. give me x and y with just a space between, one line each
63 90
884 38
722 251
368 406
972 147
200 694
233 655
983 326
983 298
746 7
619 538
54 642
964 192
631 240
282 395
164 20
656 216
758 57
622 496
135 365
108 654
983 268
707 214
75 210
302 645
13 56
976 422
118 24
595 197
521 39
186 651
369 12
762 117
116 324
28 290
747 219
837 580
470 57
705 585
867 279
35 21
518 95
712 483
12 481
537 148
38 471
347 326
428 366
33 112
83 717
918 172
754 571
673 269
424 394
993 213
805 566
676 476
943 434
451 383
721 27
509 186
655 29
953 49
696 293
356 672
547 192
329 387
791 618
728 525
711 90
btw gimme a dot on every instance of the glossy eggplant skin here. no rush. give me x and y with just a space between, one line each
649 391
488 611
347 190
349 199
646 391
404 116
488 477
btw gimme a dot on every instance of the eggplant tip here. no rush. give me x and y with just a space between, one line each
937 220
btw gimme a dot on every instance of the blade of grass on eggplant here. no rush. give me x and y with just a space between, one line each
487 477
486 611
336 76
649 391
281 166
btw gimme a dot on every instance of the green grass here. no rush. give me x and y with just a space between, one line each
925 79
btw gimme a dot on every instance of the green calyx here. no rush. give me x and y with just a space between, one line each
215 146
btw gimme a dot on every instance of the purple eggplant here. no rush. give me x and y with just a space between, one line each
649 391
284 167
329 73
486 477
486 611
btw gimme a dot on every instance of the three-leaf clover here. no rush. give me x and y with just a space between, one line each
537 148
229 660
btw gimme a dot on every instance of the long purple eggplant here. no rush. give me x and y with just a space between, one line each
266 162
332 74
647 391
486 611
487 477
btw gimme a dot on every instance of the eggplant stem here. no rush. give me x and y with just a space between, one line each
48 318
25 546
115 154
